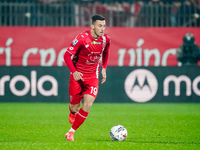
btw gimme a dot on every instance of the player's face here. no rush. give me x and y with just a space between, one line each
99 28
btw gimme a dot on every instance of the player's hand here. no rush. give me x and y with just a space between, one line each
103 72
77 76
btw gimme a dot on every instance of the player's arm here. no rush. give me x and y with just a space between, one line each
71 50
103 72
105 62
77 75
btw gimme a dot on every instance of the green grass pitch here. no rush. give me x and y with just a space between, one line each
35 126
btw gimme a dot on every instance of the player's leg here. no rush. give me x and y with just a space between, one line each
75 98
90 93
81 116
84 111
88 100
73 110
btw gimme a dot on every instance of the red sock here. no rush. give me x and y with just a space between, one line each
80 118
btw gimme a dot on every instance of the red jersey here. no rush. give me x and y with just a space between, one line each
88 53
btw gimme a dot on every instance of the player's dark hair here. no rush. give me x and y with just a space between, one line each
97 17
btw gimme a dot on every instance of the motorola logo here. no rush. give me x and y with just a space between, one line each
141 85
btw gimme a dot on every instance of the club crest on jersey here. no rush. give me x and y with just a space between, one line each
75 41
94 42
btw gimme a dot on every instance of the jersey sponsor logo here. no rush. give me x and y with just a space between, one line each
75 41
93 58
141 85
94 42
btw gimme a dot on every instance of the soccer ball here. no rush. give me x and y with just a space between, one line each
118 133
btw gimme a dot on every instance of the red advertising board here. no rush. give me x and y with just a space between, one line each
45 46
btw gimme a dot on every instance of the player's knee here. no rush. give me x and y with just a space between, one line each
87 102
87 106
75 108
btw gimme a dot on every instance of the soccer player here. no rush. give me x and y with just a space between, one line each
86 53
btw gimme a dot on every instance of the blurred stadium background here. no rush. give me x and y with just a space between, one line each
145 35
127 13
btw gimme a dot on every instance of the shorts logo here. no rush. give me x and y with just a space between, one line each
70 98
74 43
141 85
